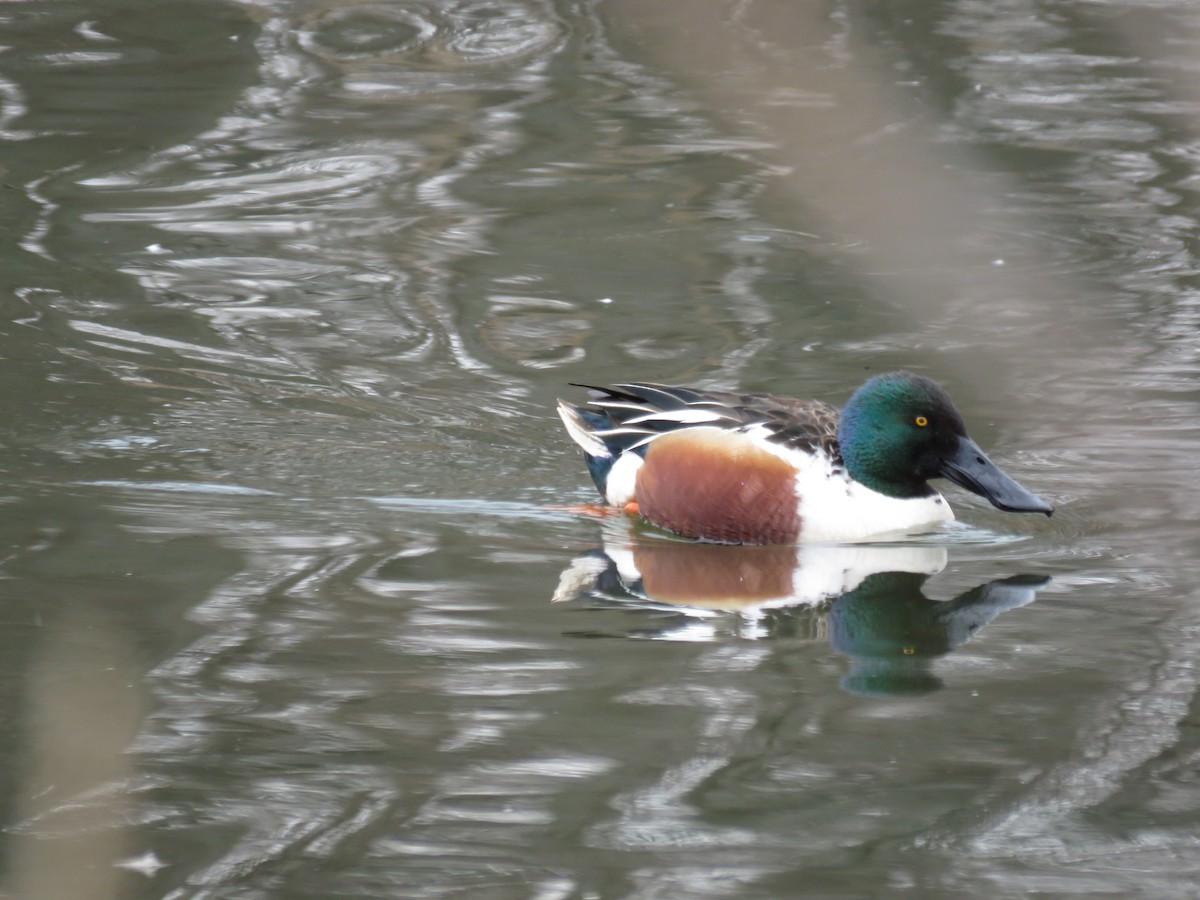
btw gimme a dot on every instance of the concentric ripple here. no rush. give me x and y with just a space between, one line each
441 35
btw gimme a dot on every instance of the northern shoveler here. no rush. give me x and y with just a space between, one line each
764 469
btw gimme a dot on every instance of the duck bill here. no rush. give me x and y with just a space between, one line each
970 468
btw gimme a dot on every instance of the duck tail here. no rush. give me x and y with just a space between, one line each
581 425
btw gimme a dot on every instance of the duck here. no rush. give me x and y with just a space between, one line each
738 468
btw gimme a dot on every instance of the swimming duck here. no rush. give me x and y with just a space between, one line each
765 469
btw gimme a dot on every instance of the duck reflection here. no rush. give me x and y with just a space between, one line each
866 600
892 632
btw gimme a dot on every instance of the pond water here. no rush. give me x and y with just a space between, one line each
292 605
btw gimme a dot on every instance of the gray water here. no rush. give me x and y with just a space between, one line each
289 291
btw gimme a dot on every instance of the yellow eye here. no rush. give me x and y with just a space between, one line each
921 421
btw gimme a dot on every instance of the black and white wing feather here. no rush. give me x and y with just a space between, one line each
628 416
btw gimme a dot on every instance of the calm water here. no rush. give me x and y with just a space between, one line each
290 288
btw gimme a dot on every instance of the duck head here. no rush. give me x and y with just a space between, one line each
899 430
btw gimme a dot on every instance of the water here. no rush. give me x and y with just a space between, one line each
291 605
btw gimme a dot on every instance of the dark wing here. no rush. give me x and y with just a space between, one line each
637 412
799 424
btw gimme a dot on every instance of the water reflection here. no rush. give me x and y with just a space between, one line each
892 632
867 601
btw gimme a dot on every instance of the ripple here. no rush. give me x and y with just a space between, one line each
536 338
278 190
181 487
499 31
463 507
81 57
444 36
135 341
366 31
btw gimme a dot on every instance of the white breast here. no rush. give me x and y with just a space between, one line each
836 509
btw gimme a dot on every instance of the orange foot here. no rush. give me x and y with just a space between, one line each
599 511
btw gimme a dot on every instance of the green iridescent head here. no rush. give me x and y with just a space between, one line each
899 430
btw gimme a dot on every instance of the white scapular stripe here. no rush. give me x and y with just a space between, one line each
687 416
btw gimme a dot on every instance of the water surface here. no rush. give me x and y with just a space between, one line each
291 605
